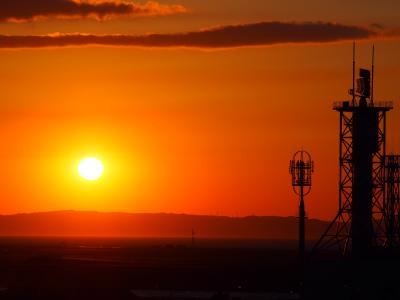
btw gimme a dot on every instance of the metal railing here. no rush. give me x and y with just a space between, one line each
349 104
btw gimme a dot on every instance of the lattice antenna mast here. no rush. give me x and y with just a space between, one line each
301 168
359 226
392 181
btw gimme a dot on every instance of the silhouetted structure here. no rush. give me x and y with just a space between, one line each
193 238
301 169
392 181
361 222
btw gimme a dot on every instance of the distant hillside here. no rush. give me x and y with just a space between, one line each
76 223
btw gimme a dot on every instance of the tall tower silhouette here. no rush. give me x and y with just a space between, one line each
360 223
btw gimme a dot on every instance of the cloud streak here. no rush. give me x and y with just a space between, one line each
259 34
30 10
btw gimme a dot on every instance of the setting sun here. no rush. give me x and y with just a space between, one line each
90 168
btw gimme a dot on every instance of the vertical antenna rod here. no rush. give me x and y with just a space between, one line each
354 74
373 74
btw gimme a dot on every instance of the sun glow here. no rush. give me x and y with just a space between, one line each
90 168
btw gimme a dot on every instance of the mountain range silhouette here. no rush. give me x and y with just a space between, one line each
147 225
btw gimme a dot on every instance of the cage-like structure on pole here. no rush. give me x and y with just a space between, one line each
301 168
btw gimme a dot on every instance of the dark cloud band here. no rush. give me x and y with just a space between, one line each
29 10
260 34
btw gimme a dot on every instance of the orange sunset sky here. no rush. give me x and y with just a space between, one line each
193 106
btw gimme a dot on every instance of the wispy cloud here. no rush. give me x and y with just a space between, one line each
30 10
259 34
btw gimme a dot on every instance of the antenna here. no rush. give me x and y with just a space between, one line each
301 168
354 74
360 227
373 74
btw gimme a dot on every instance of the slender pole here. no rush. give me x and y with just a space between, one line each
341 138
373 74
354 73
302 262
302 215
